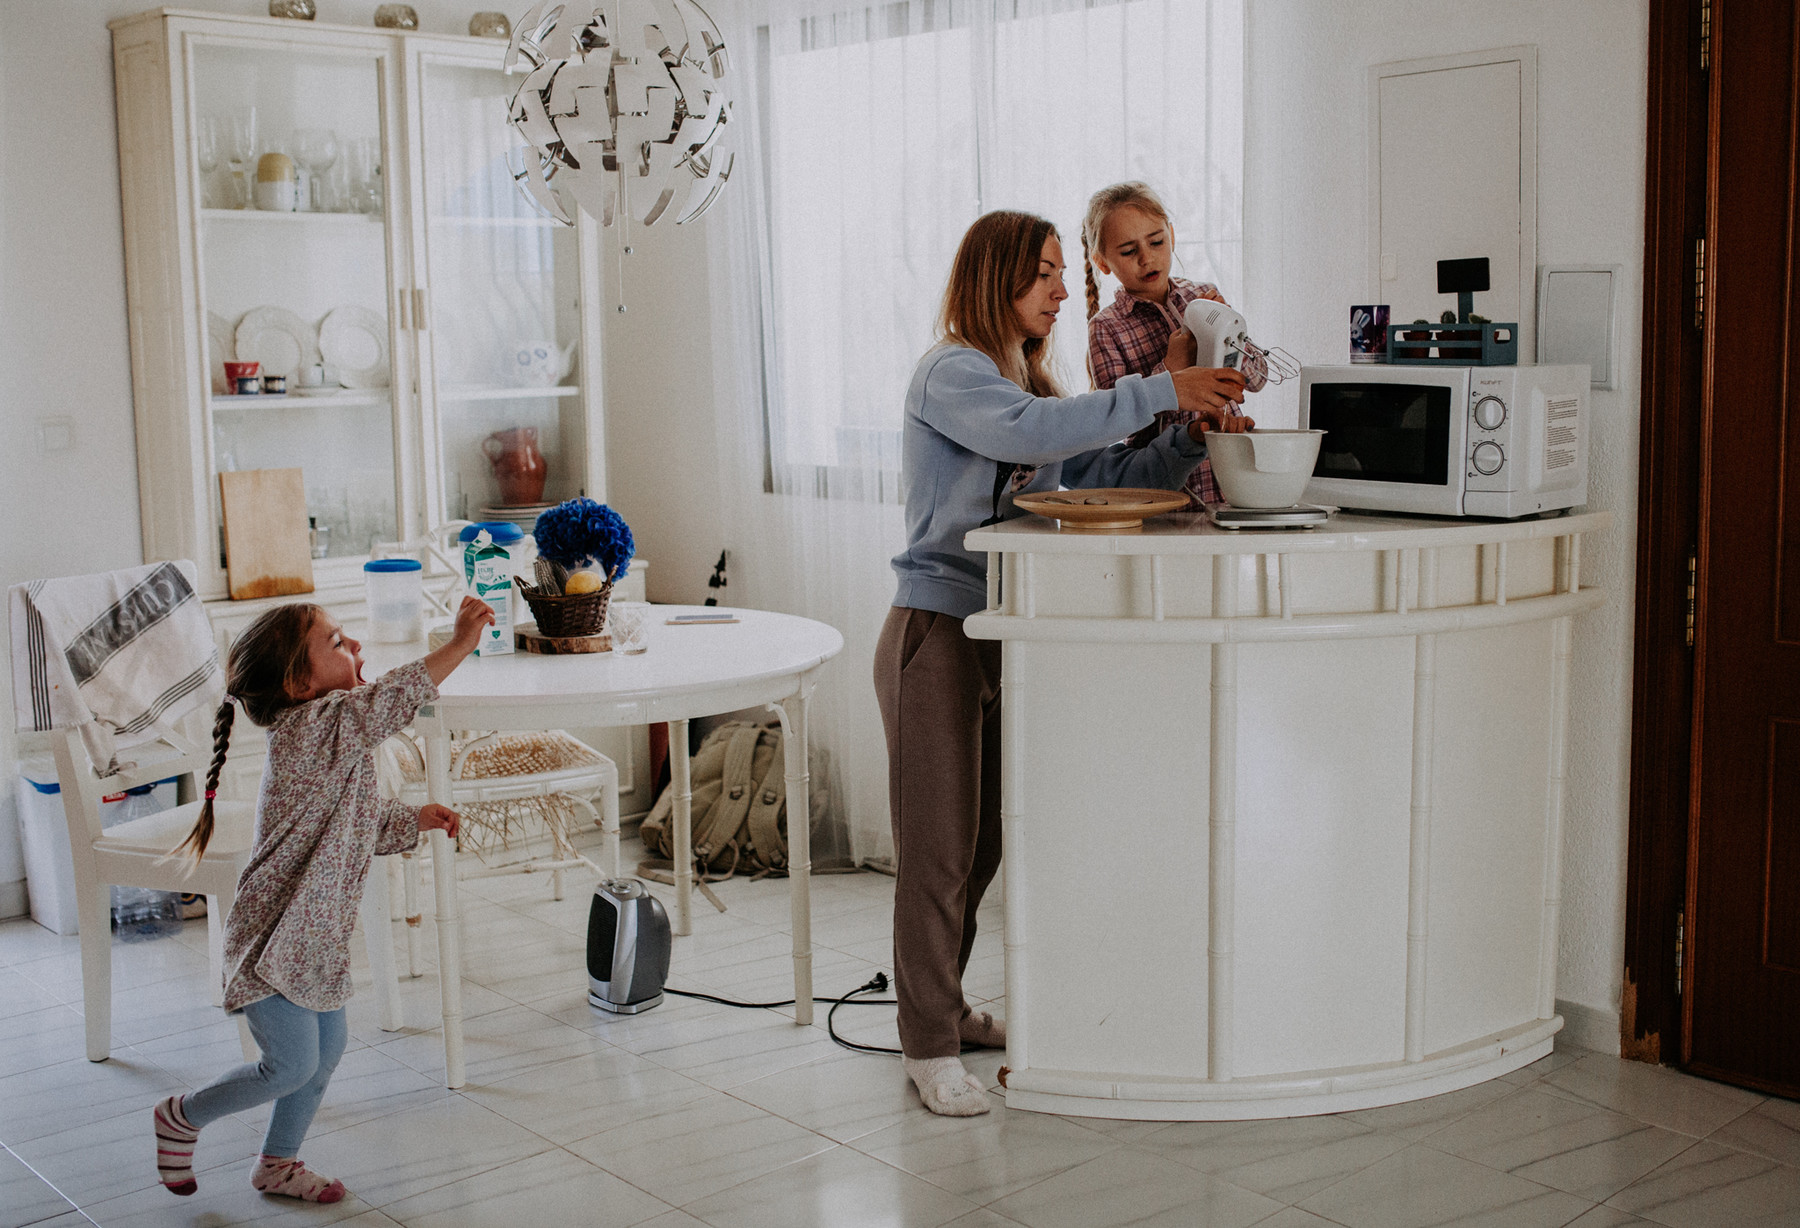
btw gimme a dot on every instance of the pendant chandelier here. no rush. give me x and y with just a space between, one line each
622 110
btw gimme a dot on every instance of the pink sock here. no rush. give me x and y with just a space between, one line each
287 1176
175 1137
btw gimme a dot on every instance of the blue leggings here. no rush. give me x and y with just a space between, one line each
300 1049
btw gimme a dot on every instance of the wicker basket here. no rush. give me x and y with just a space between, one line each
562 616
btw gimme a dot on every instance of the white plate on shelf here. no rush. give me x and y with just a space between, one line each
353 342
315 392
278 339
221 348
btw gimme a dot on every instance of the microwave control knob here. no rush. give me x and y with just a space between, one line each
1490 412
1488 458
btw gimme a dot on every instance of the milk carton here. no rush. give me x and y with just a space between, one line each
488 572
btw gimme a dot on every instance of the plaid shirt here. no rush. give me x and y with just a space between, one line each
1131 337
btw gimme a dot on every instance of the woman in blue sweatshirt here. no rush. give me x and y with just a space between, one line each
985 421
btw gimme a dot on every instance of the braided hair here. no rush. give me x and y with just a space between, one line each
267 666
1100 207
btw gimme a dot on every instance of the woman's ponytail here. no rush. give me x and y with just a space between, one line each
194 847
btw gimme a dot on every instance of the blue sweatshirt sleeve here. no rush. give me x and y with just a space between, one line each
1163 463
968 401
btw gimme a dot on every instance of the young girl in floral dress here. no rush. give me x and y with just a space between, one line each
318 824
1127 234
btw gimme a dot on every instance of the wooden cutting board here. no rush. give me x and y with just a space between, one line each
267 551
528 639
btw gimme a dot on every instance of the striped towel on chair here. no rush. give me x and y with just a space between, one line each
122 655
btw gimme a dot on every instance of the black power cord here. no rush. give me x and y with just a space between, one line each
874 984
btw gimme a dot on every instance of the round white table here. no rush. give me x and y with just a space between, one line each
687 671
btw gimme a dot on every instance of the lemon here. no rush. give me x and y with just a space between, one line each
582 582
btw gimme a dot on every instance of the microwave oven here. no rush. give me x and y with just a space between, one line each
1502 442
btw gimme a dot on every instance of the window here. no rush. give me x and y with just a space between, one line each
887 130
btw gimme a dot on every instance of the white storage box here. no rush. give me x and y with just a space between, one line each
49 866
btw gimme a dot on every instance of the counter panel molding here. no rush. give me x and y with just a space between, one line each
1283 812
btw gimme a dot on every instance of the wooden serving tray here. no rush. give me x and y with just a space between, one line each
527 639
1102 510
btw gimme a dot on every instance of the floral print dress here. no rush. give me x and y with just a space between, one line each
319 822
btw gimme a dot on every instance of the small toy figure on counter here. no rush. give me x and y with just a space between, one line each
1127 234
319 822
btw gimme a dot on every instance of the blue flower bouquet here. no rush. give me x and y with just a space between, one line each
582 533
583 547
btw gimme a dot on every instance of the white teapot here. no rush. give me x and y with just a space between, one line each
536 364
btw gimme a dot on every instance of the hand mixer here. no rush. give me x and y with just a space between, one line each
1222 339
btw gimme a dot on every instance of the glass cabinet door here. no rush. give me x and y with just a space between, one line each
294 263
503 342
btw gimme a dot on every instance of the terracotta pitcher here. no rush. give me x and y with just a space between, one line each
519 467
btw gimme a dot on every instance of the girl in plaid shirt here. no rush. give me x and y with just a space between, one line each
1127 234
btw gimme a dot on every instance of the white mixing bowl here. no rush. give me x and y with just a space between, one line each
1263 468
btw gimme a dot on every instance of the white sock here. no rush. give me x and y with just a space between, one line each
946 1087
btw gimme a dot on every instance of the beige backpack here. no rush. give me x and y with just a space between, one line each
740 817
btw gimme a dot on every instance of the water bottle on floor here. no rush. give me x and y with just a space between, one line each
137 912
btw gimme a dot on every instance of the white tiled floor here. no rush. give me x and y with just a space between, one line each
694 1114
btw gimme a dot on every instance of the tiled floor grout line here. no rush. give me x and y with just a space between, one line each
32 1169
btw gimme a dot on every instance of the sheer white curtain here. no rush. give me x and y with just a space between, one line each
870 137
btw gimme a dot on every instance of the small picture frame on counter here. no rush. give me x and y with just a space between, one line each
1368 333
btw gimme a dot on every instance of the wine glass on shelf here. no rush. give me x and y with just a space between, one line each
317 150
365 174
206 154
337 192
240 151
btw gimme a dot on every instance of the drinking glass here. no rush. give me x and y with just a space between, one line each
629 622
240 151
336 194
317 150
364 157
206 152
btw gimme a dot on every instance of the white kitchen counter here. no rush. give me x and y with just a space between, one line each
1283 809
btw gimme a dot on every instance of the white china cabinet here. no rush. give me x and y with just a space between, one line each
448 320
451 322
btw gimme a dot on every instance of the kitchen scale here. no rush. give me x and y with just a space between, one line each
1299 516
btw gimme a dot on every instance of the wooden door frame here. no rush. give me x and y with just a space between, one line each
1669 526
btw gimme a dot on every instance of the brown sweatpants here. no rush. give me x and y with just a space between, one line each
939 693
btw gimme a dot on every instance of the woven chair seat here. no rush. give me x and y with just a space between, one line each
497 766
506 786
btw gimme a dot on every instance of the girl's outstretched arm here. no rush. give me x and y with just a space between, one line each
471 617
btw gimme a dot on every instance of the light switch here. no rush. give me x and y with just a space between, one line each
56 434
1390 267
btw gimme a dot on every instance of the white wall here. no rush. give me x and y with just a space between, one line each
1305 208
662 471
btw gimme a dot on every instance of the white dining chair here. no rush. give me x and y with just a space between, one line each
132 854
569 772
